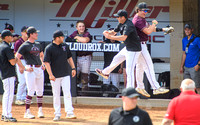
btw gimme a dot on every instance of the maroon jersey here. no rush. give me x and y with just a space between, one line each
140 23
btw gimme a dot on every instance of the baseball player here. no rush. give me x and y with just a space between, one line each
56 58
7 68
144 61
33 70
130 52
21 88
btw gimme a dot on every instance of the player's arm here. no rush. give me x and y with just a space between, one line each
19 63
151 28
82 39
42 58
182 62
49 71
167 121
113 37
13 61
71 63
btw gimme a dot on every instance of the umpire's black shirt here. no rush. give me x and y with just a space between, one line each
57 56
6 54
132 41
136 116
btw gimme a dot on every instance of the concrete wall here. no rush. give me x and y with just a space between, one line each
181 12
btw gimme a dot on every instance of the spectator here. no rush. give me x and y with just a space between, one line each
190 62
21 87
7 68
184 109
83 58
129 113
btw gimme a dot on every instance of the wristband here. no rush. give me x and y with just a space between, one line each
155 23
198 64
159 30
73 68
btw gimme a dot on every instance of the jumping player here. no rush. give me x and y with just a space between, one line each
144 61
21 87
56 58
34 75
7 68
130 52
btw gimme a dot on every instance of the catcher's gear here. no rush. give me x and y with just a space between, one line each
168 30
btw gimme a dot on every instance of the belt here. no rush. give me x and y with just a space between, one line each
35 65
143 42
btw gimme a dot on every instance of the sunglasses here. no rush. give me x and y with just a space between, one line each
146 11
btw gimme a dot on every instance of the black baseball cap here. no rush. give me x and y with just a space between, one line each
130 92
9 26
24 28
58 33
32 30
5 33
142 6
121 13
188 26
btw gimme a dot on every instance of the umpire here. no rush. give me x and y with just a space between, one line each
56 58
129 113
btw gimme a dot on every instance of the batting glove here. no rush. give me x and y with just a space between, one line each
168 30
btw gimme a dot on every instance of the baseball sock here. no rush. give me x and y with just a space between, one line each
39 101
28 101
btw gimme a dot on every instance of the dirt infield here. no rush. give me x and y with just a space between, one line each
86 115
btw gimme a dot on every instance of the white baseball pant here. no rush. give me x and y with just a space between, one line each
21 87
131 58
65 83
114 77
83 64
35 81
8 86
145 64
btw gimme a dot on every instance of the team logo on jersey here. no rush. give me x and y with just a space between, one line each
35 51
136 119
64 48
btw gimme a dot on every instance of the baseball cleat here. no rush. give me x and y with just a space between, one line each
98 71
2 117
70 116
9 119
29 115
56 118
40 114
142 92
19 102
160 91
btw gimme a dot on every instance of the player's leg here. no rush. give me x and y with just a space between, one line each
115 78
66 88
195 76
140 72
149 70
140 66
85 71
30 83
8 86
148 67
131 59
21 88
56 97
39 88
118 59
